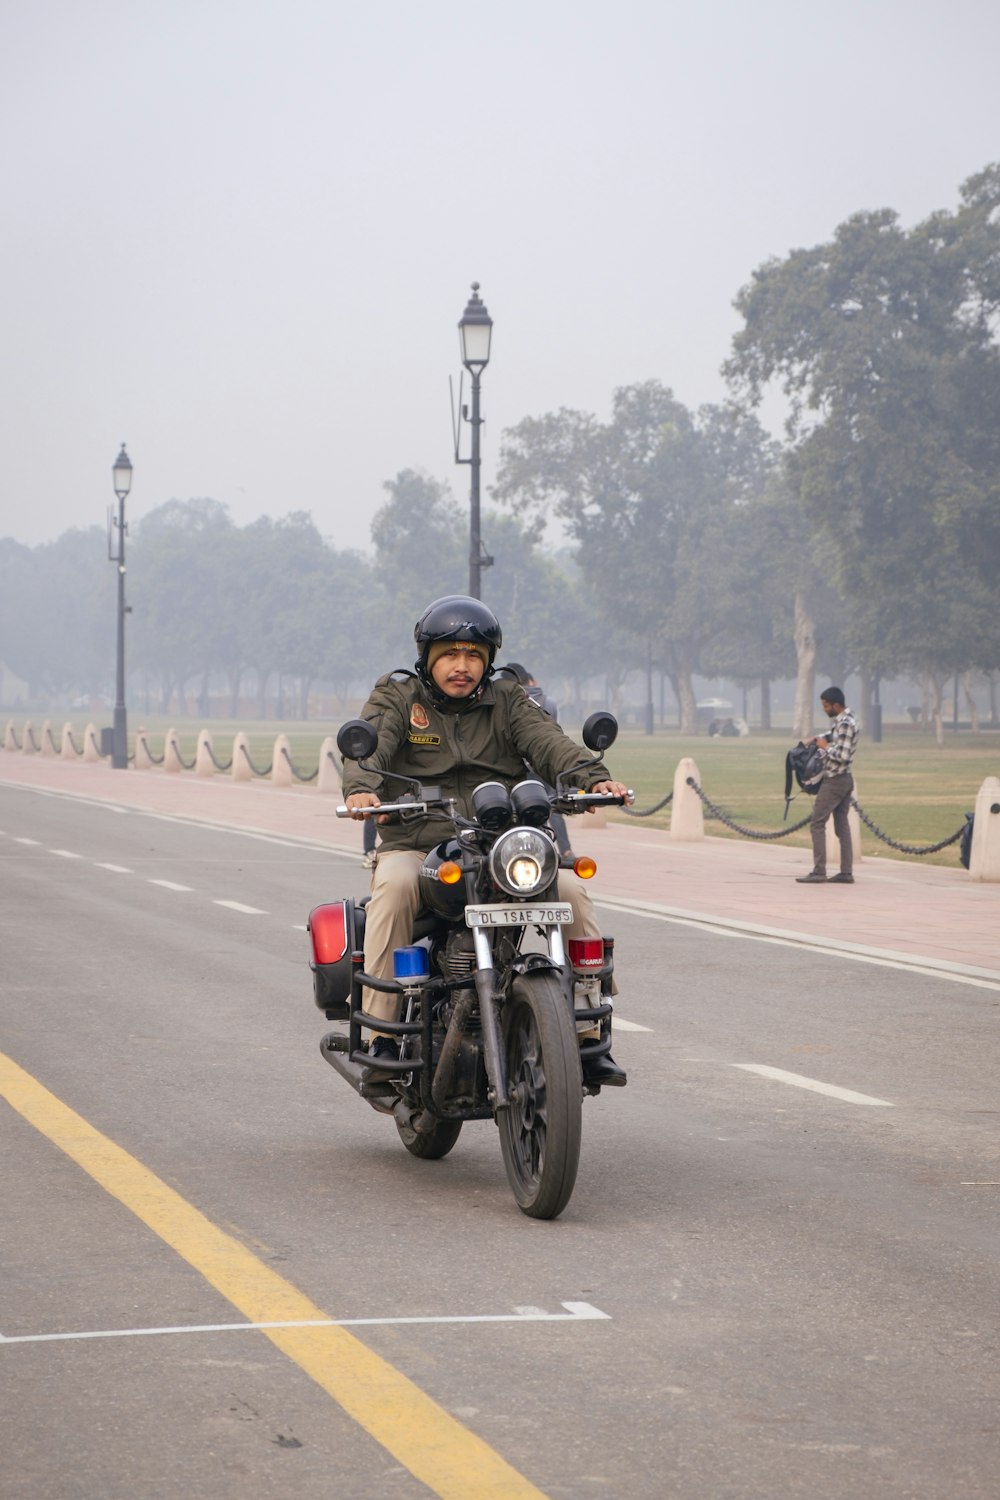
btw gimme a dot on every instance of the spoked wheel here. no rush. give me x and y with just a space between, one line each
540 1130
430 1145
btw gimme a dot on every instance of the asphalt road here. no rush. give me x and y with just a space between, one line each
773 1291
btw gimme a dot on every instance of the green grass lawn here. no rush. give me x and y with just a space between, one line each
913 789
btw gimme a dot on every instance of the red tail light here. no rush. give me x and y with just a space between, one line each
328 929
586 953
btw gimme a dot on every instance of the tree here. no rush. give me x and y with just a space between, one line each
421 545
643 497
885 343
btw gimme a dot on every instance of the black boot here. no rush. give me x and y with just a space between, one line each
603 1072
382 1046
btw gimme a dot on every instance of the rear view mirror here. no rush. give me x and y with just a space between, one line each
356 739
600 731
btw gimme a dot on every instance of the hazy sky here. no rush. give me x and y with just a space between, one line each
239 234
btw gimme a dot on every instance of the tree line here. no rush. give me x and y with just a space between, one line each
867 540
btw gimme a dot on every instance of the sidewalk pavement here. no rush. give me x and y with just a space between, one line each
922 915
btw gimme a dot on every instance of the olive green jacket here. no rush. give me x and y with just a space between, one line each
456 746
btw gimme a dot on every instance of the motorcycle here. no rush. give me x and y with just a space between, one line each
492 1003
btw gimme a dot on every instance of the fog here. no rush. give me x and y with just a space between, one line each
239 236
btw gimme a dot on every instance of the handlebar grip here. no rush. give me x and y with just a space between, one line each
383 807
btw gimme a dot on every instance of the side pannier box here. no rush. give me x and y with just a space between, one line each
336 929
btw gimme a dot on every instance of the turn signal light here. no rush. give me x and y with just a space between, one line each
449 872
585 867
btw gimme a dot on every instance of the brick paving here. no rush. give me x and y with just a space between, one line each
923 913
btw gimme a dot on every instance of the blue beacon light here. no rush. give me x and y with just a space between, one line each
410 963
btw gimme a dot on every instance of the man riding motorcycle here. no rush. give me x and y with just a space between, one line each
450 724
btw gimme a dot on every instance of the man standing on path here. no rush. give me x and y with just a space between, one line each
834 795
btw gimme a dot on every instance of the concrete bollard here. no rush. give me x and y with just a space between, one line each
48 743
328 779
9 736
687 816
143 759
281 771
91 744
241 766
204 764
171 753
984 858
67 750
833 843
27 739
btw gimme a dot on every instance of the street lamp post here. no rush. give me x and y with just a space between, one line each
475 328
122 474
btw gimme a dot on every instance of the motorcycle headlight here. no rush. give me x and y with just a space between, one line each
523 861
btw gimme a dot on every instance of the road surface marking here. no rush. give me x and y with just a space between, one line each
27 841
619 1025
171 885
118 869
797 1080
450 1460
781 938
577 1312
251 911
65 853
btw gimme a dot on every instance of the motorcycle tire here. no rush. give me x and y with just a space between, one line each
430 1145
541 1127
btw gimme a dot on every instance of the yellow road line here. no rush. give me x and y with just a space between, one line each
445 1456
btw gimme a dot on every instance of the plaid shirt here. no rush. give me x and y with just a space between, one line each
842 735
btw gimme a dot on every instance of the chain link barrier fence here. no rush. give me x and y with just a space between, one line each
216 762
647 812
299 775
752 833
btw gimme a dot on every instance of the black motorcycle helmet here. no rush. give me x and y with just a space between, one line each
456 617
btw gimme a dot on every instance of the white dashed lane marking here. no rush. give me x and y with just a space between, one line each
797 1080
118 869
65 853
27 841
171 885
251 911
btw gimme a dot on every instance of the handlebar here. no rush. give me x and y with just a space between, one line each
580 801
383 807
572 802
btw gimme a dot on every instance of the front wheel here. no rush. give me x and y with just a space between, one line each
540 1128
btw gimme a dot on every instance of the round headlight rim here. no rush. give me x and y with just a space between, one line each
538 845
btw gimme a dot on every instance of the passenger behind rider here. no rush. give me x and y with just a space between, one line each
450 725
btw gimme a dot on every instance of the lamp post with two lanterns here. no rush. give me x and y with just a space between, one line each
475 328
122 475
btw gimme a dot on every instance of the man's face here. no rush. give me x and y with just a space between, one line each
830 709
458 671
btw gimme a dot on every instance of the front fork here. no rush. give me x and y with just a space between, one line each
496 1066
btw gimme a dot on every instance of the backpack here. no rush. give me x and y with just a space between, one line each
804 764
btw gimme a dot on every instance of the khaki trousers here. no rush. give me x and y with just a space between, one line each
834 796
394 905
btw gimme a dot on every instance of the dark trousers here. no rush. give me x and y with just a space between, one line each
834 796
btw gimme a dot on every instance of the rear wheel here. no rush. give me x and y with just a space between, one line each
540 1129
430 1145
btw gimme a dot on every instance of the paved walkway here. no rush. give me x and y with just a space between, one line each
914 912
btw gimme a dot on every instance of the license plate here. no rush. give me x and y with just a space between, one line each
555 915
